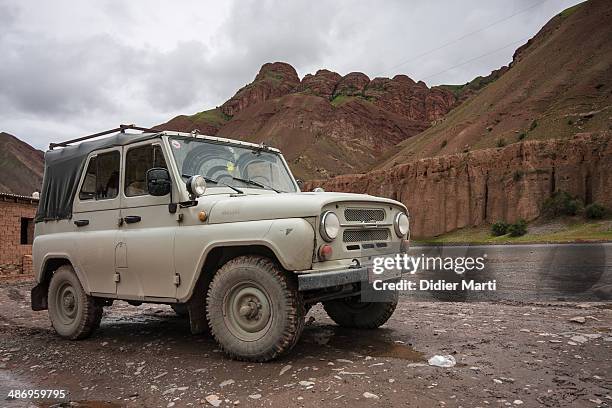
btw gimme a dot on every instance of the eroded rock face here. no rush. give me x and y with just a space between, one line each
322 83
449 192
273 80
352 84
405 97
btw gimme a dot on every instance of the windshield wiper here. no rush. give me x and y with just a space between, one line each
256 183
209 180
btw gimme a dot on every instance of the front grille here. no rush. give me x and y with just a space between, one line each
364 214
365 235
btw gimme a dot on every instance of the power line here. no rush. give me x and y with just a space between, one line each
416 57
478 57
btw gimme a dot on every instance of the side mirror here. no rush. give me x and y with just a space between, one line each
318 190
300 183
158 181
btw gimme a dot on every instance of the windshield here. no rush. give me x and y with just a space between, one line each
234 165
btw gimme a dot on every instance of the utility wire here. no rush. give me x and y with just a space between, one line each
416 57
478 57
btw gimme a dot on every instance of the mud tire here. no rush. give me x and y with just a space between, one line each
74 314
245 326
351 313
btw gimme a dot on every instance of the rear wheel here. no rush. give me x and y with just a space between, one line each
74 314
254 309
350 312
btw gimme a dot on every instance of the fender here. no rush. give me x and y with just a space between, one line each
38 294
291 240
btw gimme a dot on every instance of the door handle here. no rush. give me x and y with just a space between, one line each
131 219
81 223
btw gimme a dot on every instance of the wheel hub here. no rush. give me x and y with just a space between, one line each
247 311
66 302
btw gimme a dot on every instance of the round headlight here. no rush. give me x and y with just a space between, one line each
196 185
330 226
402 224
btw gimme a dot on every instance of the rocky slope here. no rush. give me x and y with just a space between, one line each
326 124
21 166
557 85
467 189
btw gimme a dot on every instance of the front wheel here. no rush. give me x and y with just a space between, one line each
350 312
74 314
254 309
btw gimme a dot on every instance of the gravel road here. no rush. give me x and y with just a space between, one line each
508 353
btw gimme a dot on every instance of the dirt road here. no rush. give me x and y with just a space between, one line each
507 355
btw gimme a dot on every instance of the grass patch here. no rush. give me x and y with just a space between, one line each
573 230
214 116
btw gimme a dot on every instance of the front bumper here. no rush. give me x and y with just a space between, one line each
339 277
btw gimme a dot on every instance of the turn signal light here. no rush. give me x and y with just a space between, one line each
202 216
325 252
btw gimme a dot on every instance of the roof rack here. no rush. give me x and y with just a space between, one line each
121 128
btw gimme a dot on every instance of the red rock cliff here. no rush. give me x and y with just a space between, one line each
449 192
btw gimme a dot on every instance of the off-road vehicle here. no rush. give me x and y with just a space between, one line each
216 228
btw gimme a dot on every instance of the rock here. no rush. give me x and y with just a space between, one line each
579 339
226 383
306 383
255 396
213 400
472 176
497 381
170 404
578 319
517 402
442 361
273 80
322 83
352 84
284 369
369 395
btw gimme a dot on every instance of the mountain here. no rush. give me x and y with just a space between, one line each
21 166
558 84
325 124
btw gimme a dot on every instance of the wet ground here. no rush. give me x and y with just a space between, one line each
507 353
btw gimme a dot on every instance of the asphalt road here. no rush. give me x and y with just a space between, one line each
509 352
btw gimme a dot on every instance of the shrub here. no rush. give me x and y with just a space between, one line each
522 136
533 125
561 203
570 122
516 176
501 142
499 228
518 229
595 211
443 144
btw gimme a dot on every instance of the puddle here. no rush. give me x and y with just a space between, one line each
371 343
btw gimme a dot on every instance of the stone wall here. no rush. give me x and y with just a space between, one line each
15 258
449 192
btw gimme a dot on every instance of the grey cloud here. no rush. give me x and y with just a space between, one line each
146 61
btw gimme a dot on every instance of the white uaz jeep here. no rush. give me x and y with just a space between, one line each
216 228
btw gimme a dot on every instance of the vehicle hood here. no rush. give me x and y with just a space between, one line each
251 207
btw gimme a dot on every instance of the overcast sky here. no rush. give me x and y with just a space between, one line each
70 68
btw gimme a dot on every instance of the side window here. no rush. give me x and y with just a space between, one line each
88 189
138 161
101 180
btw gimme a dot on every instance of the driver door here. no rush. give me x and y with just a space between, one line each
145 248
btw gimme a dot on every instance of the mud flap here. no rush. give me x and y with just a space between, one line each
197 315
38 296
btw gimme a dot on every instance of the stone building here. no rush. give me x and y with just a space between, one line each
16 233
